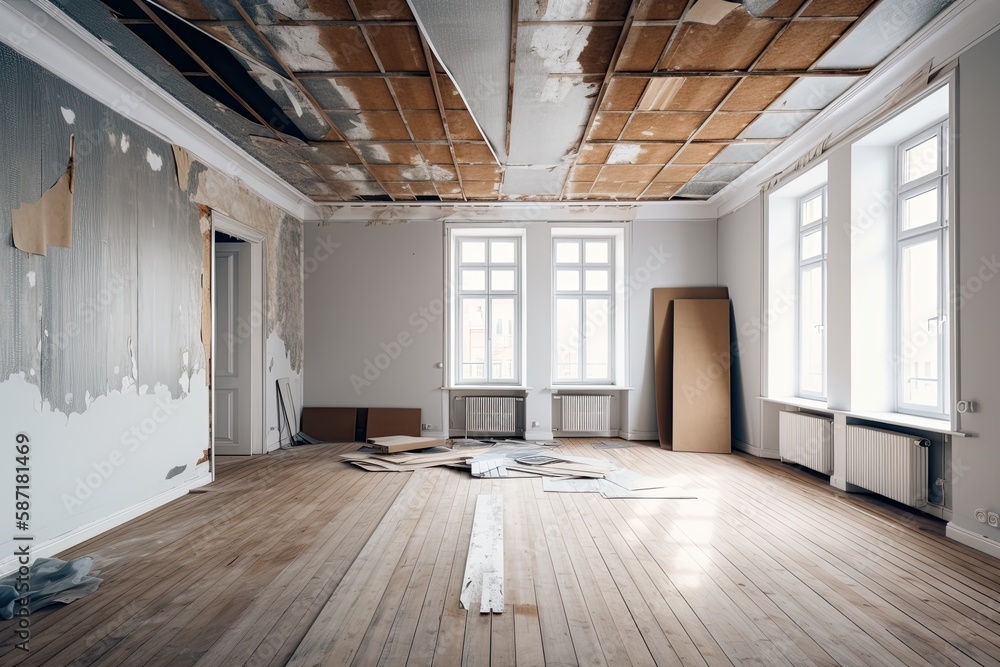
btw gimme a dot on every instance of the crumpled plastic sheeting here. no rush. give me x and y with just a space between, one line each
50 580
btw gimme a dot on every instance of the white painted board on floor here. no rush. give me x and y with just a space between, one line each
482 585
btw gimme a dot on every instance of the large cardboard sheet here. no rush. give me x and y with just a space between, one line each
663 348
702 402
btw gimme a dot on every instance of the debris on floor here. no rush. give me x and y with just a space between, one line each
49 581
482 584
403 443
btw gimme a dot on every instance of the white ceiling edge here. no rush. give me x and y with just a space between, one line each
589 211
56 42
956 29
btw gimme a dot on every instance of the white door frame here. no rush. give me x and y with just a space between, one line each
258 316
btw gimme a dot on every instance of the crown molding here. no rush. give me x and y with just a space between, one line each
44 34
957 28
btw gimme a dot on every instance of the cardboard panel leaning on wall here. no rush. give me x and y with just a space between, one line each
701 391
101 362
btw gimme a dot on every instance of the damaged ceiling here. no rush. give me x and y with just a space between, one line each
608 100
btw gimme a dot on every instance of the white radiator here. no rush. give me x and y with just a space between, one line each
890 464
586 413
493 415
807 440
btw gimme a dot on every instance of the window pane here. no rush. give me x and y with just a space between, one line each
503 252
567 327
812 210
473 252
567 252
811 351
920 210
502 326
812 244
473 339
502 280
567 280
597 326
596 252
596 281
920 160
920 326
473 280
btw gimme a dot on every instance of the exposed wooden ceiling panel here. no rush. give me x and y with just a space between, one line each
658 97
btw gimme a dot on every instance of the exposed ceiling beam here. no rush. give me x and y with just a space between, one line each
319 22
432 70
740 73
334 132
333 74
161 24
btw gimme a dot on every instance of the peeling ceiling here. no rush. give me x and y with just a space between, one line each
356 100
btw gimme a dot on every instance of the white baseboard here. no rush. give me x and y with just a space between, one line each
753 450
84 533
538 434
974 540
639 435
435 434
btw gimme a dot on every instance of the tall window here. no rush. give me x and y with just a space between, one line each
583 321
488 307
922 273
812 294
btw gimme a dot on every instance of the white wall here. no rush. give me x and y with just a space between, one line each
374 303
663 254
383 282
740 235
976 460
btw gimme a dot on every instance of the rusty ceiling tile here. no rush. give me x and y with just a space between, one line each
662 190
681 173
701 93
334 173
643 48
700 153
802 43
630 173
473 153
328 152
270 11
449 93
368 93
321 48
438 153
733 44
398 48
462 126
586 173
391 10
600 47
594 153
756 93
448 189
623 93
663 10
726 125
370 125
663 125
425 125
657 153
578 188
838 8
608 124
391 153
416 188
481 189
357 189
413 92
480 172
591 10
624 190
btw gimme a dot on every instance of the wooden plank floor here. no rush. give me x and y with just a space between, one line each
295 558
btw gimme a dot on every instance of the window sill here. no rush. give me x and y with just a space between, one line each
486 387
893 418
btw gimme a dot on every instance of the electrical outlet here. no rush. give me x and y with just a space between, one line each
427 427
993 519
981 515
534 424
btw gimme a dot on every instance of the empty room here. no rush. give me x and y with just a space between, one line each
541 332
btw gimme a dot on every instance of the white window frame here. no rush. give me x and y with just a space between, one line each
457 294
581 294
939 231
801 266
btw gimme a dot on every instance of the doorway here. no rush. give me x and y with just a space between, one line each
238 316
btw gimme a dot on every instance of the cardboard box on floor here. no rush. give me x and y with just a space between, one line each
359 424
